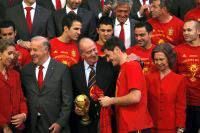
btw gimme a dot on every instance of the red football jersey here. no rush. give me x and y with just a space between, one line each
144 54
188 64
170 32
67 53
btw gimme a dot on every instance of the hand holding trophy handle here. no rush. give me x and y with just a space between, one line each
82 105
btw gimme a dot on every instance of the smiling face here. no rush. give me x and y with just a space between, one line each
38 52
142 37
88 51
113 56
7 56
190 32
122 12
161 61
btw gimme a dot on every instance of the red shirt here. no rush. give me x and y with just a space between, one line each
193 14
167 100
170 32
67 53
188 64
135 116
12 100
24 55
144 54
99 47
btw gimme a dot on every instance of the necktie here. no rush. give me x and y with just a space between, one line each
58 5
121 34
40 77
28 18
102 3
144 2
92 77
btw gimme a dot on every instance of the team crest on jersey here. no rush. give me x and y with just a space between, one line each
170 31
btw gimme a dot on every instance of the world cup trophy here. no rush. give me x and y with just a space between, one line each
83 103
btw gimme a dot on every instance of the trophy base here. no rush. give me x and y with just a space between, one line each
85 123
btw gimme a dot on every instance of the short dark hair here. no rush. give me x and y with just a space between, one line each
146 25
6 24
113 42
168 51
106 21
166 3
5 43
69 19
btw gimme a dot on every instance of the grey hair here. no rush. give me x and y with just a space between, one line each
43 40
120 2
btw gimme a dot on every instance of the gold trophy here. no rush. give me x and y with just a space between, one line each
83 103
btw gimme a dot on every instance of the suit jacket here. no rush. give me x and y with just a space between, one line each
4 5
88 22
42 23
46 4
94 6
132 24
105 79
135 8
54 99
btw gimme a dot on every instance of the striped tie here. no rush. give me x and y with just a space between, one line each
92 77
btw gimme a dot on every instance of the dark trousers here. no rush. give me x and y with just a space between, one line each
193 119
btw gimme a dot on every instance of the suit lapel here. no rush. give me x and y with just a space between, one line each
21 16
34 79
83 78
49 73
36 19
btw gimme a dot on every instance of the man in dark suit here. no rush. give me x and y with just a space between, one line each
140 9
123 27
52 4
47 87
105 80
36 21
98 7
5 4
88 19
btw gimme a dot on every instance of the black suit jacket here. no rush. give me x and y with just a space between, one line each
105 79
46 4
4 5
54 99
42 23
135 8
94 6
88 22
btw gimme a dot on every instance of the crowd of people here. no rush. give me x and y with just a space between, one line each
99 66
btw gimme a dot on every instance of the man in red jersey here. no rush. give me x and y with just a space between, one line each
194 13
8 31
105 31
131 93
144 46
166 28
64 48
188 64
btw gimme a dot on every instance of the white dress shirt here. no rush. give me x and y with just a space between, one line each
87 70
147 3
69 9
32 10
63 2
44 70
127 31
